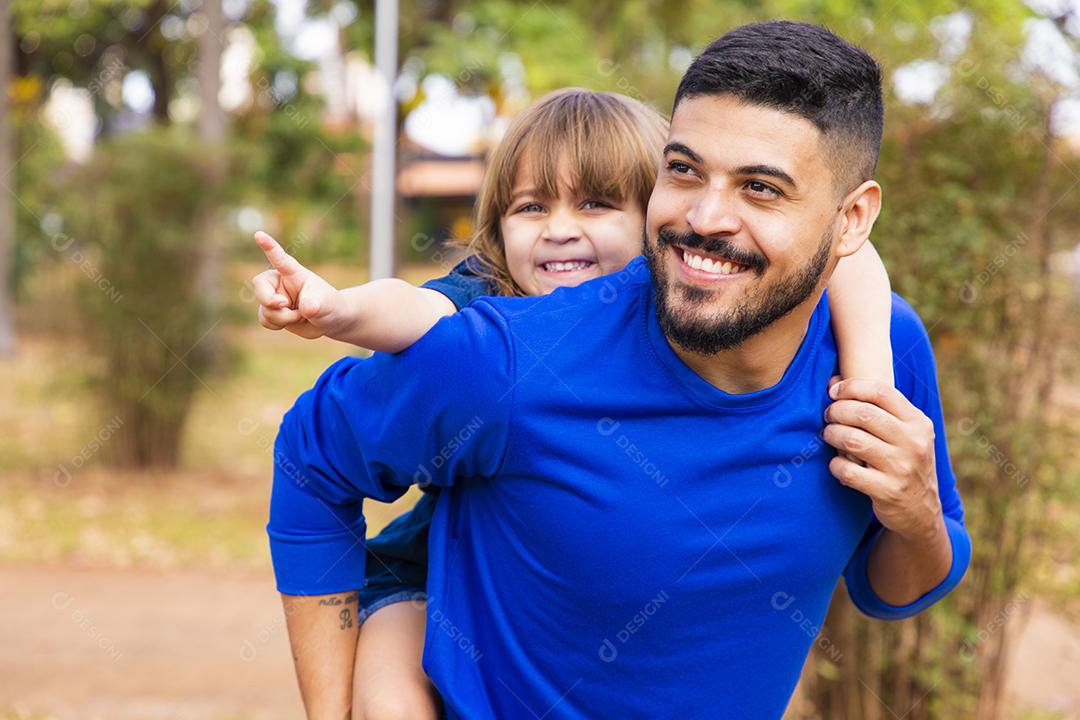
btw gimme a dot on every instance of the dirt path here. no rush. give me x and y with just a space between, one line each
1044 670
116 644
127 644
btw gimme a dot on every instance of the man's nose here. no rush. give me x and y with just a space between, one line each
714 213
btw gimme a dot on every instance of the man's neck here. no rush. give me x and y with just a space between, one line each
758 362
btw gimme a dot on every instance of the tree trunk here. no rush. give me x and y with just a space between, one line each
8 175
160 75
212 139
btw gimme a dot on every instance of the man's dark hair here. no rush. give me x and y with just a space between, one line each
805 70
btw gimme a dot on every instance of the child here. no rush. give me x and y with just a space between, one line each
563 202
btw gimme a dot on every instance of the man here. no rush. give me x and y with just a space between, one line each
637 506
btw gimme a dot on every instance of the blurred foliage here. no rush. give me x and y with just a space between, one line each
302 171
309 175
37 176
295 165
978 198
94 43
132 232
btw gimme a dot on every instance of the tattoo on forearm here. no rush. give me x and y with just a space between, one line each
346 618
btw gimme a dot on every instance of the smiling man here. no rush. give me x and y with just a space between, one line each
637 498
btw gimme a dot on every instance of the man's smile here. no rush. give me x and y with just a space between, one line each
701 266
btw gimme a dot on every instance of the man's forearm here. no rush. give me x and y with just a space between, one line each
323 633
901 570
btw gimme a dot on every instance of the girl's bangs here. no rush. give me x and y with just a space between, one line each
604 161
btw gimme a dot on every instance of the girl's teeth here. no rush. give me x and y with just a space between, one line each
566 266
716 267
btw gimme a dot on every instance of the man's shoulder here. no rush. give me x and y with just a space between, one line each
907 329
600 297
914 366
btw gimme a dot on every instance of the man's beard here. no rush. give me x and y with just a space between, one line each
710 335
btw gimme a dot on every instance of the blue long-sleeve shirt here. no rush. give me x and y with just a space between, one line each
616 537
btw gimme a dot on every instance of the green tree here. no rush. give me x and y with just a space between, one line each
133 218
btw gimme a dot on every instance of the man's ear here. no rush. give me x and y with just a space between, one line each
858 212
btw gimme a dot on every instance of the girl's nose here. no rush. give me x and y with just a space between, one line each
562 227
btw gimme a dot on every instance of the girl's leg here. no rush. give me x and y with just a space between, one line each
389 683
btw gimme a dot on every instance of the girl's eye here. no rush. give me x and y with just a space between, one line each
759 188
679 168
595 205
530 207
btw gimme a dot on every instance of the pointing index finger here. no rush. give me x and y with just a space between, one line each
282 261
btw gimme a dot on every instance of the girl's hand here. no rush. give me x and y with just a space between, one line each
293 298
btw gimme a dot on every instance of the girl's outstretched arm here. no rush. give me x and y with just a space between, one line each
860 301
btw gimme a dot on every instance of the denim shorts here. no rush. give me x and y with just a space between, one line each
397 559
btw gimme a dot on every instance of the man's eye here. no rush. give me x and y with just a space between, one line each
680 168
760 188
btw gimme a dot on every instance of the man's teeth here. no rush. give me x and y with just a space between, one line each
566 266
716 267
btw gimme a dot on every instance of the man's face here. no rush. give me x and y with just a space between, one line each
740 225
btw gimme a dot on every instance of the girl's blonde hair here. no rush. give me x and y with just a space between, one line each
613 144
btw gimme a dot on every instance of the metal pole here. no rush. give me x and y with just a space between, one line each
382 156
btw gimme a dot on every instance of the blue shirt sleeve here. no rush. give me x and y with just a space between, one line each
916 375
433 414
464 284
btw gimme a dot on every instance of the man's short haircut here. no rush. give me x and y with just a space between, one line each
805 70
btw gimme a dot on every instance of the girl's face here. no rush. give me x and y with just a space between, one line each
565 240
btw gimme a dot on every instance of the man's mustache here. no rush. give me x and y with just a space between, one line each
714 246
